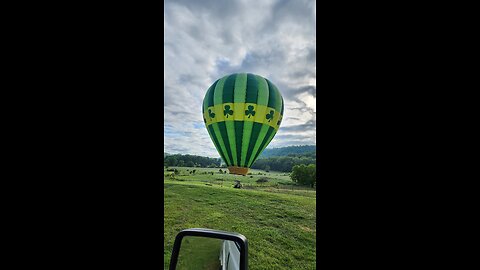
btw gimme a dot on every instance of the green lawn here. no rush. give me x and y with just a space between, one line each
279 223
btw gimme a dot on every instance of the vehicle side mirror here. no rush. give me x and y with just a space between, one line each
206 249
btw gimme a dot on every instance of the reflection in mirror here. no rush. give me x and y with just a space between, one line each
203 253
230 256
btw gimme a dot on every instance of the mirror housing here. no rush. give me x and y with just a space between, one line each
208 233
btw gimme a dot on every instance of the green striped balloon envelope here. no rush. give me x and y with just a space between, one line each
242 113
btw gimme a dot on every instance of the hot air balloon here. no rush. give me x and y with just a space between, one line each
242 112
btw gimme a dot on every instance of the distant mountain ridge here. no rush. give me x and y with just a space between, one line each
285 151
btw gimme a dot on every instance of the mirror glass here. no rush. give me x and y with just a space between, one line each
203 253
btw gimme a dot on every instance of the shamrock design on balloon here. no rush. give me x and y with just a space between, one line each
211 114
250 111
270 116
227 111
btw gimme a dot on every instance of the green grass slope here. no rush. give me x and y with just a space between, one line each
280 227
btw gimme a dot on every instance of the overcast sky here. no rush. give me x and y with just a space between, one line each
206 40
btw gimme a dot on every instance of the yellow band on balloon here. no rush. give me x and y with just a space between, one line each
242 112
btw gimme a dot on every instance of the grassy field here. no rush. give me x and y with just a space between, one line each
276 181
277 217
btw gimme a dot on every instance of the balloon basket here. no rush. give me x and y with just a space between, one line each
238 170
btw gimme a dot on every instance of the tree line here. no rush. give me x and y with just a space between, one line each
280 164
190 161
286 163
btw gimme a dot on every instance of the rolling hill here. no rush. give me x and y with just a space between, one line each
285 151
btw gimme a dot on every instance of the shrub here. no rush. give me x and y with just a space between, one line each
262 180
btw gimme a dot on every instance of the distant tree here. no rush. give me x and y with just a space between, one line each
304 175
260 164
312 174
267 168
298 174
193 171
220 171
177 171
190 164
181 163
171 161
